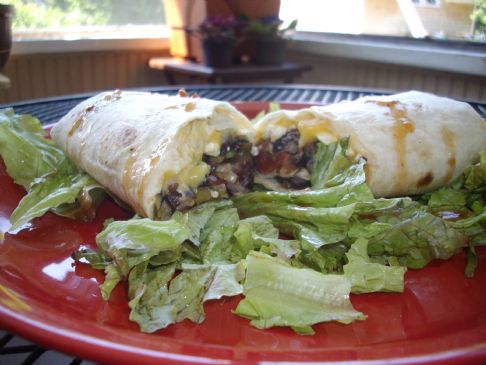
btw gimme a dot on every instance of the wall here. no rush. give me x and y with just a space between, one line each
339 71
44 75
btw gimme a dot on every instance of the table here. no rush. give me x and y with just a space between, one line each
172 67
15 350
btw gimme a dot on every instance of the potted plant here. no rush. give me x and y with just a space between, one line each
218 40
5 33
270 39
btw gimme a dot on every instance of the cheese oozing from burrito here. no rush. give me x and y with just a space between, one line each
413 142
159 153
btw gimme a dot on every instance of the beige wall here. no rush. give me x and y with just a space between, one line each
385 17
361 74
44 75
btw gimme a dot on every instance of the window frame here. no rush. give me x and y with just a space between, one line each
467 58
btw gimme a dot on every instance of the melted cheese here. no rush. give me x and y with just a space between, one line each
310 130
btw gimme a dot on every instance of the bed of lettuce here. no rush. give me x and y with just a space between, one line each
340 239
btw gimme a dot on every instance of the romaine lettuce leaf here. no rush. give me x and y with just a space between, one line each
329 160
196 219
51 180
129 243
157 300
415 237
51 191
258 233
25 150
149 296
226 281
216 237
366 276
347 187
277 294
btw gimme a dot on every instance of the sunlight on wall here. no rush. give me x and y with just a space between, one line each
344 16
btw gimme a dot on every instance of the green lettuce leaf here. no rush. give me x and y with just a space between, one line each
196 219
347 187
258 233
156 301
26 151
149 296
51 180
415 237
330 224
50 191
216 237
112 277
329 160
366 276
129 243
277 294
93 258
226 281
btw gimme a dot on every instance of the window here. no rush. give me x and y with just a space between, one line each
433 3
84 19
458 20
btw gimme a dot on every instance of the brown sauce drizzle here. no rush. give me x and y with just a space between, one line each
448 138
425 180
402 127
80 121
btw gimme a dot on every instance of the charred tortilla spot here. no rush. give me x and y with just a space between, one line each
425 180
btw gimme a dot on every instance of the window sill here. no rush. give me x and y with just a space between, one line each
454 57
24 47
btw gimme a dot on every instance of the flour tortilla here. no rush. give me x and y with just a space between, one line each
136 144
413 142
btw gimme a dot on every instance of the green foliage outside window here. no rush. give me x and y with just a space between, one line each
478 17
36 14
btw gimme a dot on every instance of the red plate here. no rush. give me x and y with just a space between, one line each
45 297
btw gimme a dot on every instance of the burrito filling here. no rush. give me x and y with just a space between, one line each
229 173
284 163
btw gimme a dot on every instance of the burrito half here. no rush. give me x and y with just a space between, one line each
413 142
159 153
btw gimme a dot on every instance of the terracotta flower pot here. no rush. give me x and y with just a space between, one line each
218 52
5 33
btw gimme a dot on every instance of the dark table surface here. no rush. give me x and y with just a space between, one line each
16 350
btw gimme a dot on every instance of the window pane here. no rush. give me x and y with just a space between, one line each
440 19
83 18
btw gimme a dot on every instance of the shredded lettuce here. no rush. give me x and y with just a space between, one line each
129 243
51 180
258 233
277 294
366 276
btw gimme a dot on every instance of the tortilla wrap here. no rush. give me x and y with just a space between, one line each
138 144
413 142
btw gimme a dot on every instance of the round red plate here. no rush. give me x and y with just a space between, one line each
45 297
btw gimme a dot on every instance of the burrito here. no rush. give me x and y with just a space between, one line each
159 153
413 142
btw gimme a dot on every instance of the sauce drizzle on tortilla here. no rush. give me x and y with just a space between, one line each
448 138
402 127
